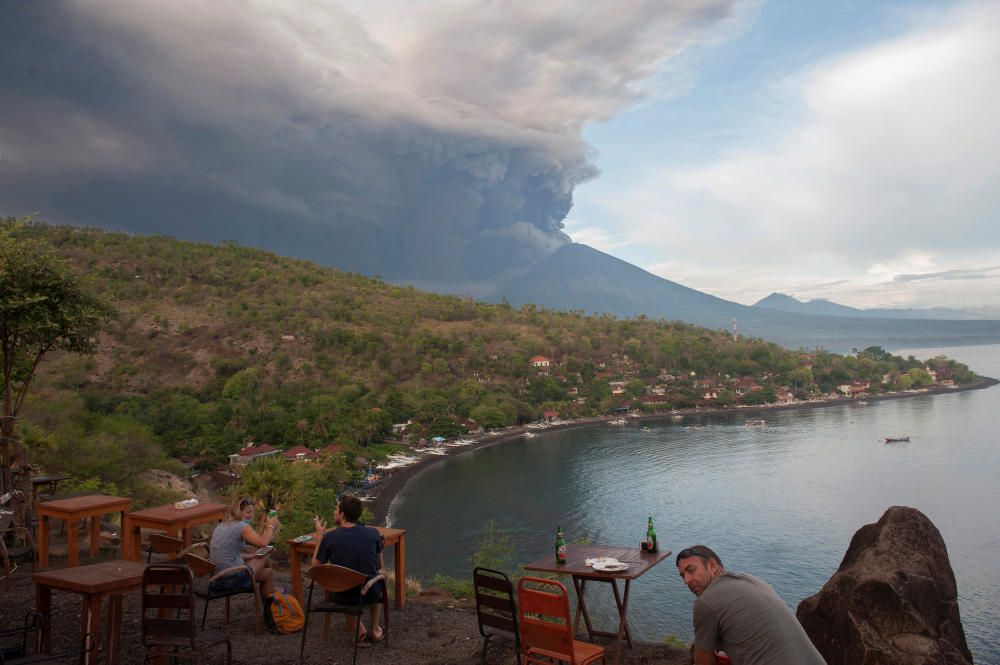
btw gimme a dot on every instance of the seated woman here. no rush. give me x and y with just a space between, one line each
230 539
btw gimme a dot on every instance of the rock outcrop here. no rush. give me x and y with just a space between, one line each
893 600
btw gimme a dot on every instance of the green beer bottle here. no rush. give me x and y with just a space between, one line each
650 536
560 546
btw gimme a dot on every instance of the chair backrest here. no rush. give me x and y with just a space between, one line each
494 601
336 578
544 616
167 587
161 543
199 567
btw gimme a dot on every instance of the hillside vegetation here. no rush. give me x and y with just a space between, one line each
215 346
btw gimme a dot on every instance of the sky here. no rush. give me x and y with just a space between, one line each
842 150
838 150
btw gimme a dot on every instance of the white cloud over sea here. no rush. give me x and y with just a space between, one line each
888 167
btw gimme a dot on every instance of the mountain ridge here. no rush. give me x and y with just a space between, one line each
824 307
579 277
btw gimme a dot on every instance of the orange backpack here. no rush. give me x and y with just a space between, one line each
283 614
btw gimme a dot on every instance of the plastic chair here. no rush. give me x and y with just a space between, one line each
546 627
8 526
495 608
161 543
335 579
168 587
203 569
15 651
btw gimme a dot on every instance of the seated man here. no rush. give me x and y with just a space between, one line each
741 615
357 547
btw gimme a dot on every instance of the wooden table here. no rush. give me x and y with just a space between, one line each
395 537
638 563
172 521
95 582
73 510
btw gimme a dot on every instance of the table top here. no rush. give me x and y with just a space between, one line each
168 514
79 503
55 478
390 536
102 577
638 561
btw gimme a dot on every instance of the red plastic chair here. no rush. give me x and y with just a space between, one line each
546 626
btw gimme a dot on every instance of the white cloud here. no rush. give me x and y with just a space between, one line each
892 167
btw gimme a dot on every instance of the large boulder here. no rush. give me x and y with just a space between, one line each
893 601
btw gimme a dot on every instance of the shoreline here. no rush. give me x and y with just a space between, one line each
390 488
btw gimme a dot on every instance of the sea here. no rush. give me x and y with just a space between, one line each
781 501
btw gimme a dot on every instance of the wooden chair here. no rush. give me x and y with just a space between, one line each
161 543
205 574
495 608
9 527
336 579
546 627
14 644
168 616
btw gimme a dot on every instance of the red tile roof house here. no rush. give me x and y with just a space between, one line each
540 361
331 449
549 416
252 453
299 454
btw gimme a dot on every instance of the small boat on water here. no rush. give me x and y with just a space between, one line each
618 421
530 435
756 422
894 439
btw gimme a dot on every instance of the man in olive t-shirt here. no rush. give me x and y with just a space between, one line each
741 615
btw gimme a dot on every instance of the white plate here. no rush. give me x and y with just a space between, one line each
610 567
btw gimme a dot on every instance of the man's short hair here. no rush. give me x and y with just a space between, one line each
699 551
350 507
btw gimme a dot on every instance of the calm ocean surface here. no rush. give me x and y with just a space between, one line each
780 502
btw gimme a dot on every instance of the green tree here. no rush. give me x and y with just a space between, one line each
43 307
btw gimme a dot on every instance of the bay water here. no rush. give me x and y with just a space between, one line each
781 502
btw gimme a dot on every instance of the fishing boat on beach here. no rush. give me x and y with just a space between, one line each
618 421
896 439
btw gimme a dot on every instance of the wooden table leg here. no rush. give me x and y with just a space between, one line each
622 621
622 605
43 606
95 535
71 544
296 573
112 644
401 572
185 537
131 540
580 584
43 541
91 625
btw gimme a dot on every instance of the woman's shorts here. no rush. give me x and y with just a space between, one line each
237 582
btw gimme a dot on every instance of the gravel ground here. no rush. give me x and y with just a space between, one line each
433 630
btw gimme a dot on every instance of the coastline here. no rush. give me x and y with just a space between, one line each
389 488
